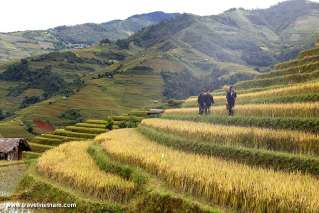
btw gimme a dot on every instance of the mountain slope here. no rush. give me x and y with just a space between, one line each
17 45
254 38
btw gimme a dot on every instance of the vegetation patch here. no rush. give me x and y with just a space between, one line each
219 181
253 157
71 164
281 140
302 124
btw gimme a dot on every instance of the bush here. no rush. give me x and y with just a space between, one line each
72 116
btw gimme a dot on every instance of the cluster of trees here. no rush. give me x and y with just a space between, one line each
4 114
179 85
43 78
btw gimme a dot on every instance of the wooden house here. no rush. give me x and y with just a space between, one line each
12 148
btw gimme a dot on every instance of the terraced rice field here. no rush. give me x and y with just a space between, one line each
305 92
71 164
222 182
306 110
263 159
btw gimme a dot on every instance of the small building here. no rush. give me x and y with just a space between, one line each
12 148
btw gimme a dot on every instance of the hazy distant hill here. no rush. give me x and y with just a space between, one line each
26 43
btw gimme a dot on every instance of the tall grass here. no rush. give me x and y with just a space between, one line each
283 140
306 89
225 183
70 164
249 156
305 110
310 125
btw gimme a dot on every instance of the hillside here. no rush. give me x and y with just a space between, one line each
22 44
174 59
263 159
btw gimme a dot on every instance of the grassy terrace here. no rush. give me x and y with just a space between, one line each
217 181
305 92
305 110
260 138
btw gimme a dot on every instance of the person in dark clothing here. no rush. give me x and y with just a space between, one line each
209 100
231 99
201 103
205 101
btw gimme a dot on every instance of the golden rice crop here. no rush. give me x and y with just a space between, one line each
222 182
306 88
71 164
308 110
283 140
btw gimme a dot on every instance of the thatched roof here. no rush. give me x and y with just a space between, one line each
8 144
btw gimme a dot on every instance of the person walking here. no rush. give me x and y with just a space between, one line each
231 100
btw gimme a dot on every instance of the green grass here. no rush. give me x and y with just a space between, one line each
66 133
286 79
34 187
90 125
10 177
297 62
307 68
63 138
14 129
85 130
97 122
40 148
47 141
107 165
120 118
137 92
249 156
303 124
30 155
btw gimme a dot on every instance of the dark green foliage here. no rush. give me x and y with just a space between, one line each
59 56
181 85
27 101
112 55
16 72
105 41
123 43
253 157
72 116
128 124
303 124
4 114
106 164
43 78
140 70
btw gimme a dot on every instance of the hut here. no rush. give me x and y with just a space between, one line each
12 148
